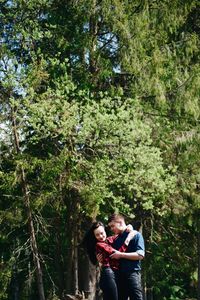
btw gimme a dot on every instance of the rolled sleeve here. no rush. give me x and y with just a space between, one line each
141 252
140 245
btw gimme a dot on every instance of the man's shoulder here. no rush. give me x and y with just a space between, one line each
139 233
137 236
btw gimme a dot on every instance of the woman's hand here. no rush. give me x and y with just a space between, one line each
129 228
131 234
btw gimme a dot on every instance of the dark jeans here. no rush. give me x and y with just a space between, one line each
108 284
130 286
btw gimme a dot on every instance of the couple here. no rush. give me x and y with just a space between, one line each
119 257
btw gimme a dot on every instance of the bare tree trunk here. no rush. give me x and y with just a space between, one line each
69 251
29 283
198 255
15 284
29 214
58 257
92 282
146 267
75 246
93 33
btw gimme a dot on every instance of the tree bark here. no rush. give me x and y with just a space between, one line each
29 213
93 34
58 257
75 246
146 227
92 282
198 254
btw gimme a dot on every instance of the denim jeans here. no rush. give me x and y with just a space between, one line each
108 284
130 286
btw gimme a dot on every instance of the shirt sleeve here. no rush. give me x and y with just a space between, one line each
105 247
140 249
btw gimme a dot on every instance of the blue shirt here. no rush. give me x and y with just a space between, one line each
136 245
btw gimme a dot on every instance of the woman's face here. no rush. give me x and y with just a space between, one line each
100 234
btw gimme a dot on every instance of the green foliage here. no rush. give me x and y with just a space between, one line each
104 97
117 135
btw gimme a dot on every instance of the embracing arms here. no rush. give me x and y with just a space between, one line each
137 248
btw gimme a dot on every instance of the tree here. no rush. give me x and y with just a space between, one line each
103 99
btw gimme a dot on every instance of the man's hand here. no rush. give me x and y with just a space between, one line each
116 255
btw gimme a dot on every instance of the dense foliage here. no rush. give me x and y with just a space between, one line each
100 112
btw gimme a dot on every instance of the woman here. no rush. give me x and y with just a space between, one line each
97 242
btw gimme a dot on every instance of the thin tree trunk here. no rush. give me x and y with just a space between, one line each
58 261
198 254
29 215
146 267
15 284
76 285
92 282
29 283
33 238
93 33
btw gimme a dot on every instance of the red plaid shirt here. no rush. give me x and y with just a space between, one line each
105 249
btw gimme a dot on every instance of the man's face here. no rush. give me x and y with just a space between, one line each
116 226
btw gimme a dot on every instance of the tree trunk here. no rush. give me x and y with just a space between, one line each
198 254
93 34
15 284
29 215
146 267
92 282
75 246
58 257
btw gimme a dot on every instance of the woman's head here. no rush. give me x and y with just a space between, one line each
95 233
99 232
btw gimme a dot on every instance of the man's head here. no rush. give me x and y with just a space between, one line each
116 223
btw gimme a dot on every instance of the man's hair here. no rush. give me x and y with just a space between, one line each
115 217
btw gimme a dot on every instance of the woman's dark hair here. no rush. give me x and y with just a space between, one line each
89 241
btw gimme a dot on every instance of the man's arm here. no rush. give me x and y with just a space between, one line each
126 255
108 248
137 254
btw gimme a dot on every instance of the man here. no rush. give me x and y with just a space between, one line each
130 261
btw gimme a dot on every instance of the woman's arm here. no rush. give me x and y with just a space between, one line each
111 239
104 247
107 247
129 237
